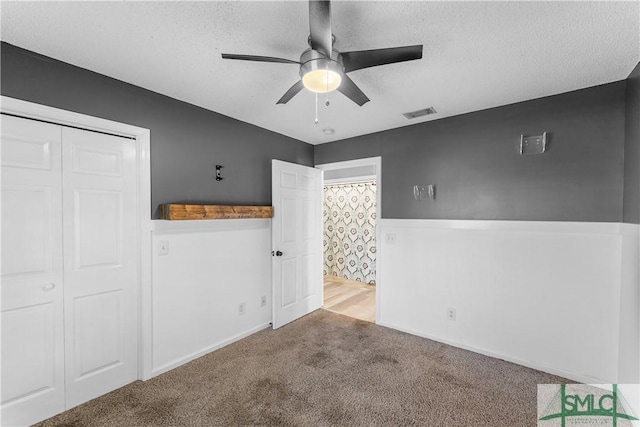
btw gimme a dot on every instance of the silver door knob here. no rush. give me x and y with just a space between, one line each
48 286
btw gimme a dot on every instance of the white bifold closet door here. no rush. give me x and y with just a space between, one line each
100 263
32 287
69 267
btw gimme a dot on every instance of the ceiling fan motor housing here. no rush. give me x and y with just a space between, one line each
313 60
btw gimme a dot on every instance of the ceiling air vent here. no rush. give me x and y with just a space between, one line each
419 113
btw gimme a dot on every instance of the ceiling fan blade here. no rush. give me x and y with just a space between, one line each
258 58
320 26
293 90
349 89
359 59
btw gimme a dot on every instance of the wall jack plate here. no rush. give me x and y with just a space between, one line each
535 144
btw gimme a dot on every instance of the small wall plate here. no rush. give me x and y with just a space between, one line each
534 144
422 192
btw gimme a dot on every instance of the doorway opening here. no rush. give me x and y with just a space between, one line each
351 208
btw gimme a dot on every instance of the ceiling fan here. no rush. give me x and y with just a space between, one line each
323 69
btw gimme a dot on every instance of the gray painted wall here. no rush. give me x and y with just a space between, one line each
473 160
186 141
632 149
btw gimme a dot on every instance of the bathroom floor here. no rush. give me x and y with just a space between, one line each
351 298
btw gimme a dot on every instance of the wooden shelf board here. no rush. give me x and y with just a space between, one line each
174 211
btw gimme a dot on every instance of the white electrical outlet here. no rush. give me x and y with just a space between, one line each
163 247
263 301
242 308
391 238
451 313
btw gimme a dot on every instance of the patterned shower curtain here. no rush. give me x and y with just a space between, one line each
349 231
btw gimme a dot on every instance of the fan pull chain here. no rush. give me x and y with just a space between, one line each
327 103
316 108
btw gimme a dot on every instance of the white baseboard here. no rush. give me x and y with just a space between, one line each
181 361
585 379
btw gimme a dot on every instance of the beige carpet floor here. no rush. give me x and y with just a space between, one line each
325 370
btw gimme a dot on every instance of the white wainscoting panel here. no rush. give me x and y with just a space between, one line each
629 358
212 266
542 294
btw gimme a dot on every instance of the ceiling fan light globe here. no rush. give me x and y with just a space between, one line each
322 81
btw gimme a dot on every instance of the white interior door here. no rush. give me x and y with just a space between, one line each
99 202
297 241
32 287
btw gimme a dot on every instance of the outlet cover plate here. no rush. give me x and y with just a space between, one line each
163 247
451 313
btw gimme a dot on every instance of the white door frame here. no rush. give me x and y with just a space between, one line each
143 147
369 161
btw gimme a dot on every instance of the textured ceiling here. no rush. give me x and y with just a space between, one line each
477 55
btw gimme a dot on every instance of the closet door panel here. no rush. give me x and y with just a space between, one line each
97 229
99 201
32 288
26 211
104 310
30 330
